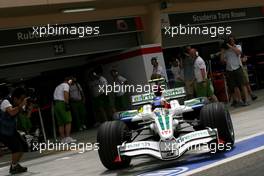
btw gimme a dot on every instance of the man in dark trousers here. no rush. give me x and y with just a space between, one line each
77 102
10 108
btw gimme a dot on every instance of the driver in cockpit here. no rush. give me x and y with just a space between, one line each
159 101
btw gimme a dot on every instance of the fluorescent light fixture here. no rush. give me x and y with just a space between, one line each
78 10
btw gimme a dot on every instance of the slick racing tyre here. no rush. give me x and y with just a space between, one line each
109 136
216 115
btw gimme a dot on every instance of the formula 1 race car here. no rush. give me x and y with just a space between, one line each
157 129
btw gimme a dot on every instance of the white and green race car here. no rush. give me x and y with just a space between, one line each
160 131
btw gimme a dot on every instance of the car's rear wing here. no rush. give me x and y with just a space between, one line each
168 94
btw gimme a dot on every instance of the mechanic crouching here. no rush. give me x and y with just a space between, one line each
10 108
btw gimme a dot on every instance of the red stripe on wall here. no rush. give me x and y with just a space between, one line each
129 54
139 24
139 52
262 10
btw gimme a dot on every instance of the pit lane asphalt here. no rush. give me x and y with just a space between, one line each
252 165
247 121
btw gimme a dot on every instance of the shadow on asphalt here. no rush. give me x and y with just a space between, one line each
152 164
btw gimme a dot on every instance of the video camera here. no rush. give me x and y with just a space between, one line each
224 44
32 96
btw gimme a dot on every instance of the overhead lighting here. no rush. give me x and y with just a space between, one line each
78 10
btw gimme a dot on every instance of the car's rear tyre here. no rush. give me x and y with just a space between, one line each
216 115
110 135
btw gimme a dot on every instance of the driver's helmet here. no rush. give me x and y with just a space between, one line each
157 102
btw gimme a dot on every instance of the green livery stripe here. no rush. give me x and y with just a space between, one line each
161 122
167 119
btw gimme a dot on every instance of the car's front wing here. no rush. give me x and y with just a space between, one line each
169 149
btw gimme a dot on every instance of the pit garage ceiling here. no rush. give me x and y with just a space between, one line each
13 8
56 6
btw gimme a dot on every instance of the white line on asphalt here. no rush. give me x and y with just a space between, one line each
64 158
223 161
250 136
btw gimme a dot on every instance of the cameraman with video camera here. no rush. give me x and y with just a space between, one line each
230 54
10 108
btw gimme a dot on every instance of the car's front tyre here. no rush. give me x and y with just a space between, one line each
216 115
110 135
